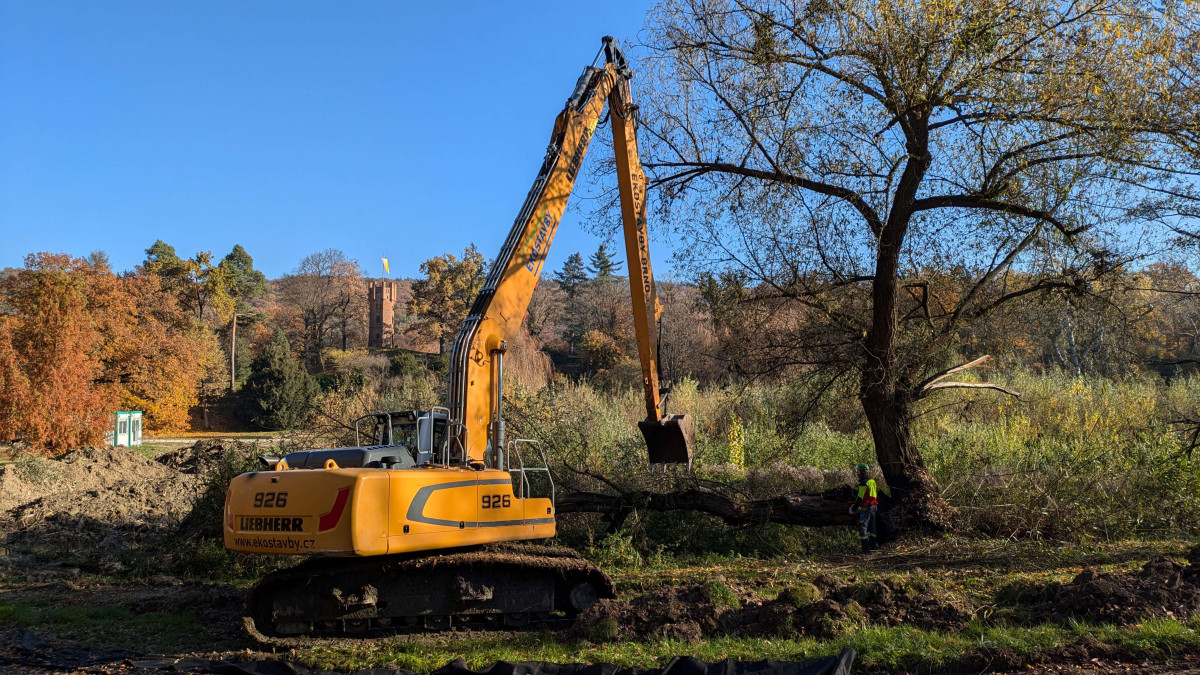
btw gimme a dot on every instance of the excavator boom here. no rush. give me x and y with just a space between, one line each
476 359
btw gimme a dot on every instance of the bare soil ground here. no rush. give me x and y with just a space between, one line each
89 507
828 607
1163 588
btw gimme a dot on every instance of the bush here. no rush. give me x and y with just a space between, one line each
279 392
1076 458
199 550
405 364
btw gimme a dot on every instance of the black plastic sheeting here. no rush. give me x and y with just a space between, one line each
680 665
33 653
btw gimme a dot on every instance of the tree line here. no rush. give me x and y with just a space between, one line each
79 341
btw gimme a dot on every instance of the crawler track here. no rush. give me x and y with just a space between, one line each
492 589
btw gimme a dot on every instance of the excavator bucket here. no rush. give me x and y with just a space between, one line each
670 440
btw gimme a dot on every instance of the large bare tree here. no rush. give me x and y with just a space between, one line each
826 159
326 290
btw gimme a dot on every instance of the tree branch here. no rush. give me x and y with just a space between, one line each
967 385
979 202
954 371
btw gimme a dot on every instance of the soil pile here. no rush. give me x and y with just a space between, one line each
825 608
689 612
200 458
91 504
1163 587
890 602
17 486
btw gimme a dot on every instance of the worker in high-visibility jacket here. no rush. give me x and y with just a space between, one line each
866 507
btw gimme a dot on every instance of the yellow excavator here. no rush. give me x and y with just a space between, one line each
415 528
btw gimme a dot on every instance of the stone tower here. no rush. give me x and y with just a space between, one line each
381 303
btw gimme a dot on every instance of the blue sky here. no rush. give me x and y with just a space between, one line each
391 129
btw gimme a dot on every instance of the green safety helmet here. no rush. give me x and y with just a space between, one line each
863 467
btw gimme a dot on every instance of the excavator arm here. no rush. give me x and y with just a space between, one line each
476 425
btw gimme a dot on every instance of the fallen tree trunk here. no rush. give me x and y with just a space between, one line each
821 510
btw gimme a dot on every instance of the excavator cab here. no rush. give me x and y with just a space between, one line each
423 433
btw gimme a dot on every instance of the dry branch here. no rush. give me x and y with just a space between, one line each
935 382
927 384
971 385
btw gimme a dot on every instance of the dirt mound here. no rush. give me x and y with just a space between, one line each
15 487
891 602
1163 587
826 608
196 459
92 504
687 612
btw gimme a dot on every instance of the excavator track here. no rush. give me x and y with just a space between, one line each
490 589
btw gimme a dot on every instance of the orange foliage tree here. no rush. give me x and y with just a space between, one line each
154 350
77 342
51 393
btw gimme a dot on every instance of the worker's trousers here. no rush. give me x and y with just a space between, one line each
866 528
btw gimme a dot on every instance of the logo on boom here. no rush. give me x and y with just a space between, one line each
577 158
541 242
546 221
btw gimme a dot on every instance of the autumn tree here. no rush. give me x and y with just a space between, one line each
441 299
51 395
198 282
327 292
544 314
155 353
824 153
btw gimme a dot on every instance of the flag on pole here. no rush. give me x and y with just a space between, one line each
385 267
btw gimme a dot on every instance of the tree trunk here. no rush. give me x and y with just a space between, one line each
887 399
828 509
889 411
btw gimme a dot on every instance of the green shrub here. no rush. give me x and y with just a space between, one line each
199 549
617 550
799 595
406 364
279 392
721 595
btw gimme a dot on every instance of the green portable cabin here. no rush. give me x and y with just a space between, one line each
128 428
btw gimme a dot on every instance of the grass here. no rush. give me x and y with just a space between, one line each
114 627
904 647
1076 458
